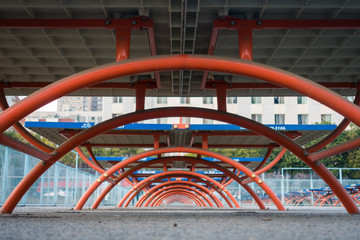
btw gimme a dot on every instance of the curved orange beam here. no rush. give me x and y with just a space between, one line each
178 187
336 132
178 198
181 158
22 130
179 192
82 137
179 62
156 177
148 195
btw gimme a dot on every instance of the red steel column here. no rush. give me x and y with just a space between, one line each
140 92
123 36
221 96
245 36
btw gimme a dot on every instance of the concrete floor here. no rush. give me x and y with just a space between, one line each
179 223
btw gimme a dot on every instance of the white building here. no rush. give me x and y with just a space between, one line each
267 110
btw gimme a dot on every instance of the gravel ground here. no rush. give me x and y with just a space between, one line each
179 223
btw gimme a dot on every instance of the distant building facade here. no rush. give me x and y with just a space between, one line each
267 110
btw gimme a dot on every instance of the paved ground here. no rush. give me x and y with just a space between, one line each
179 223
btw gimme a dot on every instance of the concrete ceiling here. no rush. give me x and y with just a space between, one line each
181 27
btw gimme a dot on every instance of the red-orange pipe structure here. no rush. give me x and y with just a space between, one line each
184 188
336 132
22 130
183 192
184 62
181 158
147 196
191 195
178 187
178 198
199 177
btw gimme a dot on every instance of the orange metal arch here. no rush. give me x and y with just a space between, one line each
178 198
179 62
180 158
147 195
124 119
13 114
239 166
191 195
179 187
199 177
172 192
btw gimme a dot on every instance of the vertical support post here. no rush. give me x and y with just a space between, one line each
56 179
48 187
66 186
282 187
26 170
83 184
157 142
221 97
205 137
245 36
311 186
340 176
252 187
41 189
5 170
76 178
140 92
123 36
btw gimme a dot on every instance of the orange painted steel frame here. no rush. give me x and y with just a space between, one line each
167 196
179 149
179 199
191 195
183 188
156 177
171 192
183 62
158 193
148 196
180 158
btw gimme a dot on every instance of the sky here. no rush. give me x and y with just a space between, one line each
52 107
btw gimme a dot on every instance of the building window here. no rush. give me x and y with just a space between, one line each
185 119
256 117
279 118
161 121
208 121
207 100
302 119
255 100
99 119
279 100
326 118
117 99
91 119
185 100
302 100
162 100
232 100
